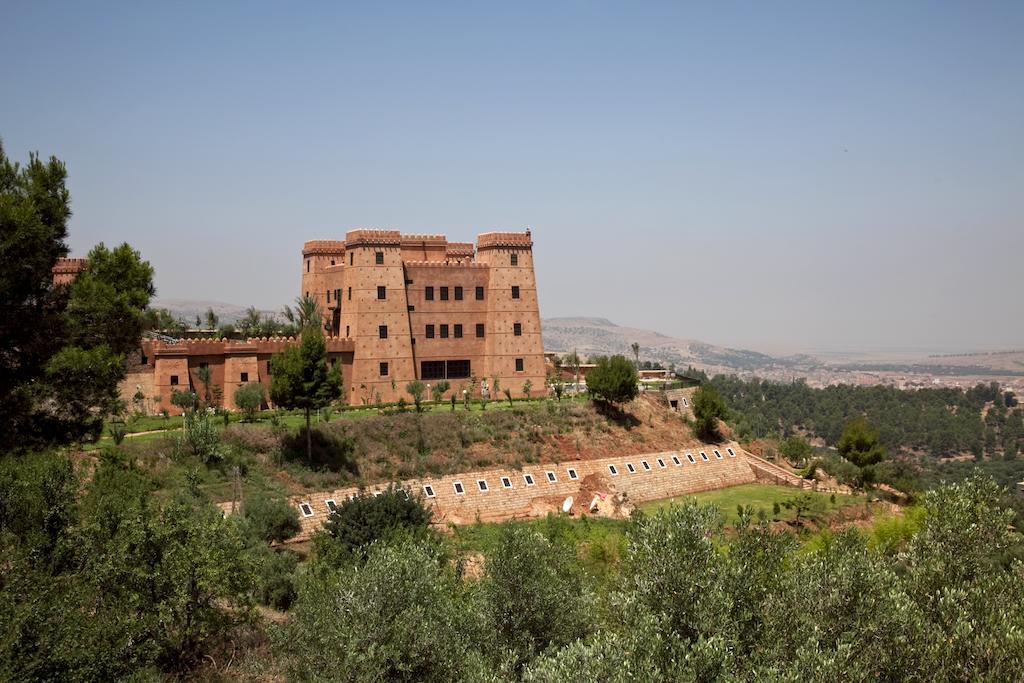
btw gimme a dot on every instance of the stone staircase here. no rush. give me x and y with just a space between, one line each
767 471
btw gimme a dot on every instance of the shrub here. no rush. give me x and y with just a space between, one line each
614 380
361 520
201 437
275 579
270 518
118 431
250 397
708 409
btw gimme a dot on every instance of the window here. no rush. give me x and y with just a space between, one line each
204 365
382 330
174 380
245 377
458 293
506 482
685 402
444 294
551 477
428 293
430 331
515 291
350 294
378 493
629 466
731 452
514 259
479 293
332 262
328 296
383 369
689 456
331 506
528 478
444 331
410 308
704 456
517 329
572 474
382 292
307 510
346 332
379 258
458 488
429 491
458 331
718 455
481 484
350 255
458 369
614 470
480 330
307 265
646 465
661 463
677 461
432 369
519 364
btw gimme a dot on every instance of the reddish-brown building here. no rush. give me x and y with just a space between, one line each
420 307
396 308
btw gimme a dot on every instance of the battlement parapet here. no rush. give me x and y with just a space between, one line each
460 249
371 237
70 265
492 240
412 239
446 264
312 247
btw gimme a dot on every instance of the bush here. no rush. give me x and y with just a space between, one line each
360 521
118 431
271 519
201 437
614 380
250 397
275 580
708 409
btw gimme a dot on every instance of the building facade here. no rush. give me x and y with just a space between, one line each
417 307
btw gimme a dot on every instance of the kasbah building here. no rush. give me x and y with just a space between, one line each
397 308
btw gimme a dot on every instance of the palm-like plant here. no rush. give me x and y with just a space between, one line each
307 312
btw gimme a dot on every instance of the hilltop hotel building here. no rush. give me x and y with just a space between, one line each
396 308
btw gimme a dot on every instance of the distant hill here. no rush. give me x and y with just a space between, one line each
600 336
187 309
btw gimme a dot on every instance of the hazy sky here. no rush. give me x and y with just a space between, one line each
773 175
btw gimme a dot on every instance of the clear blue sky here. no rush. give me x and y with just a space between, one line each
779 175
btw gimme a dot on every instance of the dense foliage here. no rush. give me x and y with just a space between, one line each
361 520
63 347
933 421
708 409
614 380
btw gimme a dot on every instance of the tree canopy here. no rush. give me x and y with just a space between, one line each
614 380
708 408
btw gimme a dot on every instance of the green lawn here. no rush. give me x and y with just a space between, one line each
758 496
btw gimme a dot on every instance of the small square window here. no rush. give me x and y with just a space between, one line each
479 293
458 488
428 293
481 484
410 308
551 477
685 402
307 509
704 456
458 293
677 461
480 330
689 456
718 455
457 331
731 452
379 258
646 465
506 482
377 494
244 377
174 380
428 490
528 478
444 294
382 292
430 331
519 364
514 259
661 463
629 466
517 329
331 506
383 331
444 331
614 470
515 291
383 369
572 474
